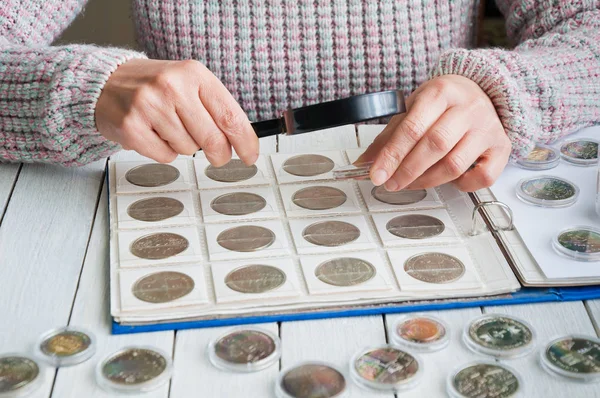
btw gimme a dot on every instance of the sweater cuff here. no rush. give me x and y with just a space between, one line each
75 138
490 70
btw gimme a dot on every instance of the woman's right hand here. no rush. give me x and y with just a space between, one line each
164 108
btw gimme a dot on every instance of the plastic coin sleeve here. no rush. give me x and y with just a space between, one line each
22 375
575 357
547 191
581 243
245 349
238 204
156 210
299 381
319 199
580 151
357 171
421 332
386 368
233 174
500 336
542 157
65 346
144 177
304 167
126 371
397 201
500 380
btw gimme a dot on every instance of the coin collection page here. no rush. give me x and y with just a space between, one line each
192 241
539 227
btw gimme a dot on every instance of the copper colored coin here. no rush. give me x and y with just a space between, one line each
434 267
401 198
319 198
308 165
66 343
234 171
162 287
331 233
246 238
159 245
238 203
421 330
155 209
152 175
415 226
313 381
346 271
255 278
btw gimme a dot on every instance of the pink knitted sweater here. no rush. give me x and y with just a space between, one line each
273 54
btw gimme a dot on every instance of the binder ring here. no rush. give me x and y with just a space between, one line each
495 228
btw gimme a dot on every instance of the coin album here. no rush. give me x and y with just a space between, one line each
191 242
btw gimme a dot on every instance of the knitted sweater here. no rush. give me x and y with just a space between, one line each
272 54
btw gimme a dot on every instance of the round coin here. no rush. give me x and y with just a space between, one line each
580 240
308 165
255 278
387 368
574 356
400 198
421 330
319 198
499 335
162 287
312 380
238 203
65 343
580 151
18 374
541 154
485 380
135 368
246 238
233 171
415 226
158 246
547 188
331 233
245 347
345 271
434 267
152 175
155 209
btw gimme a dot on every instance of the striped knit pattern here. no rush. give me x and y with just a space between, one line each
273 54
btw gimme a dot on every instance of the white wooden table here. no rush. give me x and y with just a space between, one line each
54 272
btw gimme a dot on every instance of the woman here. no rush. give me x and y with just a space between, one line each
75 104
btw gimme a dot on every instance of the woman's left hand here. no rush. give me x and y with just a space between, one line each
450 124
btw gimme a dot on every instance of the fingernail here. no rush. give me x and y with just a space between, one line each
379 177
391 186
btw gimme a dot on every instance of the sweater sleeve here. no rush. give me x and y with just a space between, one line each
549 85
48 94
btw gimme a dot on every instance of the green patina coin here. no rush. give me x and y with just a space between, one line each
575 355
548 188
580 240
580 150
484 380
500 333
17 373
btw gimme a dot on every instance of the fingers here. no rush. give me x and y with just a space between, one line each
445 133
379 141
147 143
486 171
423 113
171 129
229 117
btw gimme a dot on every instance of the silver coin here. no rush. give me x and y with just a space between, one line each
234 171
308 165
434 267
246 238
162 287
155 209
319 198
245 347
401 198
345 271
313 381
331 233
158 246
134 366
486 381
238 203
415 226
152 175
15 373
255 278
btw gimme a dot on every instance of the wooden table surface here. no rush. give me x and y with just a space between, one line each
54 272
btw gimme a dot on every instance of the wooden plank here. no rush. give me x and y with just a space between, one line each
8 177
593 309
549 320
438 364
43 239
91 310
323 140
334 341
